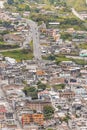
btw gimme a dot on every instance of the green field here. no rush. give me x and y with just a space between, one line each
77 61
61 58
1 43
83 46
77 4
18 55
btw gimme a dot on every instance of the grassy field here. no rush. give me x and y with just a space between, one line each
18 55
83 46
77 4
1 43
77 61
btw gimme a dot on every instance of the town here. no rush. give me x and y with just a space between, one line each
43 65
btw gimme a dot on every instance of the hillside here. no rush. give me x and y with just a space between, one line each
79 5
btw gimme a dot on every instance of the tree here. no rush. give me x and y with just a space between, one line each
10 2
59 86
66 118
31 91
66 36
6 24
27 8
41 86
51 57
48 111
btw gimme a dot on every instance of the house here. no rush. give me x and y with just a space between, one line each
42 94
41 74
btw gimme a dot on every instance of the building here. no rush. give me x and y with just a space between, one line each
36 118
67 94
31 127
10 61
37 105
83 53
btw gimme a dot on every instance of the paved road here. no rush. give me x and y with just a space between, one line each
77 14
35 37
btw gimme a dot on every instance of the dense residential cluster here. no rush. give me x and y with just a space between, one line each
63 87
43 66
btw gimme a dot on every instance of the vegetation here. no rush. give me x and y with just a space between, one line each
31 44
66 118
66 36
5 46
51 57
18 55
83 46
60 58
79 5
59 86
23 7
50 129
65 21
77 61
41 86
59 107
4 32
48 112
10 2
80 61
31 91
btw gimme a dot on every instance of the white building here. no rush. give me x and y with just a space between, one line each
10 61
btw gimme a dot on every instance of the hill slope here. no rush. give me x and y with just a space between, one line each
79 5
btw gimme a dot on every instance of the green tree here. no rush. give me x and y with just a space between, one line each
51 57
41 86
10 2
66 118
66 36
27 8
48 111
31 91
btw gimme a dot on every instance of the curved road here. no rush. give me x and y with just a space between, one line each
77 14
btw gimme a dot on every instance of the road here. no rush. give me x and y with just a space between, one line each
35 36
77 14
